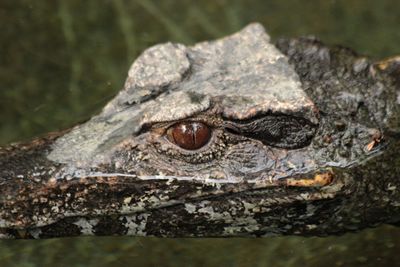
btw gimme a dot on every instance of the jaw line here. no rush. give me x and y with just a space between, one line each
316 179
259 192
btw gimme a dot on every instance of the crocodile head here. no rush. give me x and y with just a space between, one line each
230 137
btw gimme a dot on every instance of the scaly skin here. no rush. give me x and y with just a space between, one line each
304 140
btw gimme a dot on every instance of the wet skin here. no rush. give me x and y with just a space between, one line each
234 137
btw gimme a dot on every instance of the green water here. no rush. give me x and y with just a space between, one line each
61 61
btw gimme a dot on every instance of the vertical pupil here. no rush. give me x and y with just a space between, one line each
189 135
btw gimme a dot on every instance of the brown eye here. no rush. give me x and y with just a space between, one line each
189 135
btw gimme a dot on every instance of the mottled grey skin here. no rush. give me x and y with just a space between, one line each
304 141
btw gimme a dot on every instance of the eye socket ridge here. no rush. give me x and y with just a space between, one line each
189 135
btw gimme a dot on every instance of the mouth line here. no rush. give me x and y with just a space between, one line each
315 179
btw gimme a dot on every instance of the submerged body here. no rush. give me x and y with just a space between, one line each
234 137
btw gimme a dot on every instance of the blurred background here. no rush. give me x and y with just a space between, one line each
61 61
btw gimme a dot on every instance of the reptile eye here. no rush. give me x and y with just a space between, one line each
189 135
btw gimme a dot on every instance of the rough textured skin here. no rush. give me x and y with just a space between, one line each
304 141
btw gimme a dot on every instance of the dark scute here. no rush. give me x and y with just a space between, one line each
276 130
